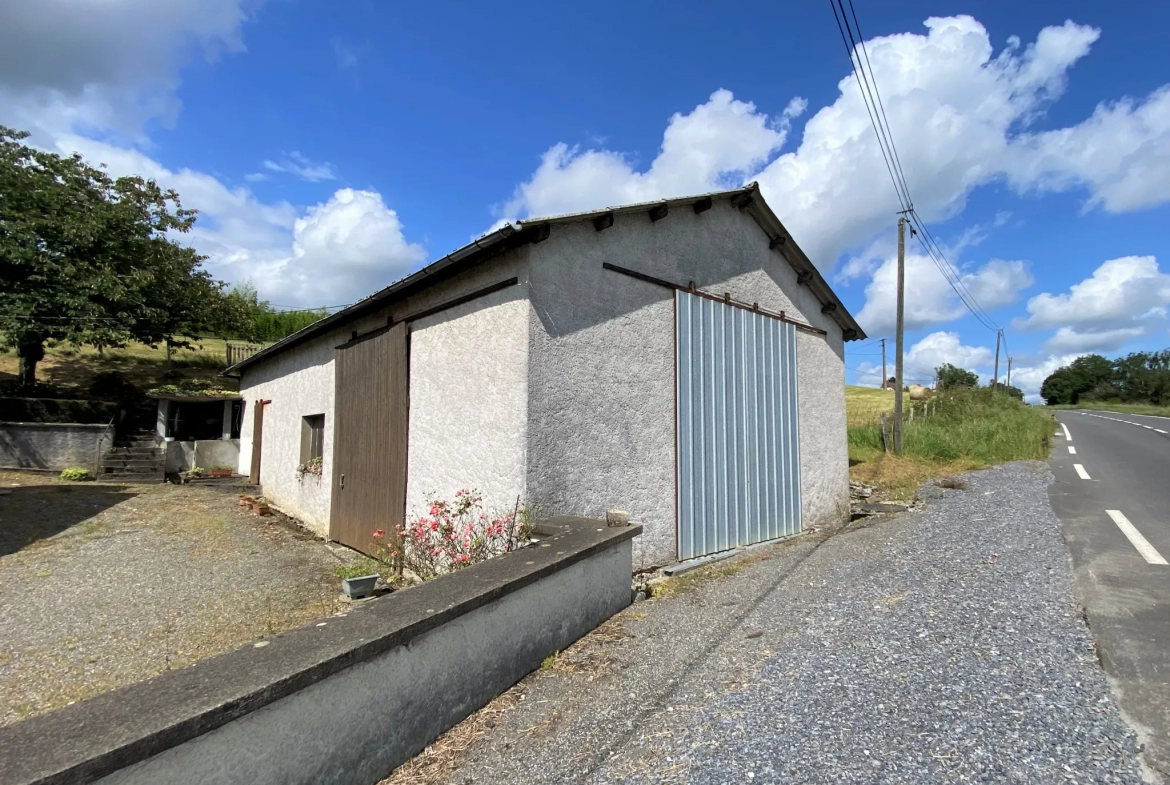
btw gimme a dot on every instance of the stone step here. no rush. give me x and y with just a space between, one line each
126 466
138 477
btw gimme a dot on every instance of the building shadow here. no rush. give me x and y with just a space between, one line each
33 513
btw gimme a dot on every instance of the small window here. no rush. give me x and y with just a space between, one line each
312 437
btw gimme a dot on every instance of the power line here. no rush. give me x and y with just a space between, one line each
875 109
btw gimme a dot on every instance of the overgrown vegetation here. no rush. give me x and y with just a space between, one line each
969 429
76 474
1138 378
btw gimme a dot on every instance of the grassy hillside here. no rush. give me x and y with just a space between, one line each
70 369
863 404
970 429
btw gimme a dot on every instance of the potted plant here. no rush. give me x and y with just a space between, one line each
220 471
195 472
246 500
260 506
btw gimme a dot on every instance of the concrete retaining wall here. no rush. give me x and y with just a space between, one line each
205 453
53 446
347 701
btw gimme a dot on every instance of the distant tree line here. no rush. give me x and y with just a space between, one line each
1139 377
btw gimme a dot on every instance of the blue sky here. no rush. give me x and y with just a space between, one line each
363 139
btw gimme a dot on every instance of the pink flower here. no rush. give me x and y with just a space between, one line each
379 534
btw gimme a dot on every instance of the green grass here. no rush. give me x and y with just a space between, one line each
971 429
1123 408
71 369
864 404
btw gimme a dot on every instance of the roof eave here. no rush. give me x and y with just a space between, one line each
831 305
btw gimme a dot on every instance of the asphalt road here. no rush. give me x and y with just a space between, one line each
1112 496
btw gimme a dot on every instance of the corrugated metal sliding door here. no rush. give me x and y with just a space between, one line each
369 437
738 446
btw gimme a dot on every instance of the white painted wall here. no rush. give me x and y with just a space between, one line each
469 402
300 382
601 395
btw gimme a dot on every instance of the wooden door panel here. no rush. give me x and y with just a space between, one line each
369 437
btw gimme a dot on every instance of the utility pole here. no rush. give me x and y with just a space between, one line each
898 335
884 377
998 335
1009 379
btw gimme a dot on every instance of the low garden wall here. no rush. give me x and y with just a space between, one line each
204 453
347 700
53 446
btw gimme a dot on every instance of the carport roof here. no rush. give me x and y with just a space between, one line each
533 230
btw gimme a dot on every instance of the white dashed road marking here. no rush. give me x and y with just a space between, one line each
1072 450
1066 433
1159 430
1084 475
1131 533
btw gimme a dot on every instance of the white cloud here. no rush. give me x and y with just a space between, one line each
1121 153
297 164
108 64
1119 293
1030 375
343 250
932 351
84 76
1069 339
929 297
959 112
713 146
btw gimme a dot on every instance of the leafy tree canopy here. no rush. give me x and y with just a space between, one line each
951 377
86 258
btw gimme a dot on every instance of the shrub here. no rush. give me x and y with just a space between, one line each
455 534
57 410
76 474
113 386
195 471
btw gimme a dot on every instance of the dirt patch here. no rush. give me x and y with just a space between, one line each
103 585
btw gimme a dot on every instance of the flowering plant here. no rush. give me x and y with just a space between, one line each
313 466
455 534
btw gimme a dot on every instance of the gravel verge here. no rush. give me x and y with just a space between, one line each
944 645
103 585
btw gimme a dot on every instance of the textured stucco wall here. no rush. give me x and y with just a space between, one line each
601 379
204 453
53 446
354 727
300 382
469 401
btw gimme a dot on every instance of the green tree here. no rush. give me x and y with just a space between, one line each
1068 384
86 258
951 377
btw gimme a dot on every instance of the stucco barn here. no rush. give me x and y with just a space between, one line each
682 360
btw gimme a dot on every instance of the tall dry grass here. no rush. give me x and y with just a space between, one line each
970 429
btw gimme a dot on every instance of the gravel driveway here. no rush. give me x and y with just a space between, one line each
103 585
941 646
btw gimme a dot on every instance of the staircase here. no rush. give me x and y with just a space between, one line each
135 457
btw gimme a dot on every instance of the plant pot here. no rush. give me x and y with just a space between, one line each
261 509
246 501
220 473
356 588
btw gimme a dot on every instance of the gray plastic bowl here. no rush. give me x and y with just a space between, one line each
356 588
